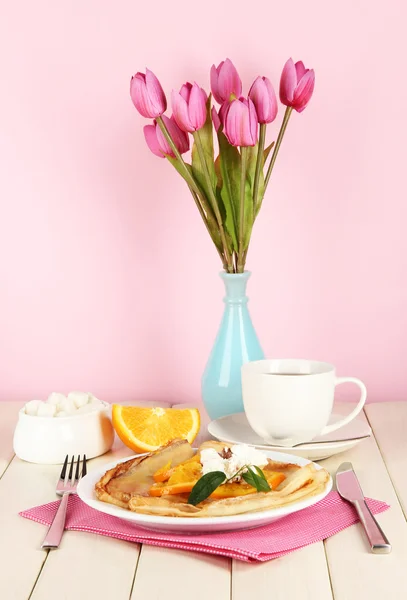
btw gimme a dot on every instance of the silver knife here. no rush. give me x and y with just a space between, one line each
349 488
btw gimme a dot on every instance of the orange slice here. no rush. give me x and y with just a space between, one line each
182 480
146 429
230 490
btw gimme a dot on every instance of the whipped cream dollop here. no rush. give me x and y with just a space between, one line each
238 456
59 405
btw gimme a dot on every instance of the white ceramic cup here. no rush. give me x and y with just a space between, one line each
288 401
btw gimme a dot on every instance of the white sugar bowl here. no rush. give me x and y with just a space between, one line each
47 440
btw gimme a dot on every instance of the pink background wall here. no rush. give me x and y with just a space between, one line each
108 279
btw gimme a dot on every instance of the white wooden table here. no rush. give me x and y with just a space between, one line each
91 567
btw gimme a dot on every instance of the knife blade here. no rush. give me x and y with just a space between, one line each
349 489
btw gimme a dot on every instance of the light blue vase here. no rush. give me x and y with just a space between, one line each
235 344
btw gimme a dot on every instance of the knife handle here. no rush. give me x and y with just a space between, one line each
378 541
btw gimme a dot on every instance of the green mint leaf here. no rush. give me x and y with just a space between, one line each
256 480
205 486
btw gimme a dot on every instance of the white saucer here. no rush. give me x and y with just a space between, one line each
235 429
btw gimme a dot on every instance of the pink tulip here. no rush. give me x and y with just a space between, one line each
148 95
264 99
240 124
296 85
225 81
215 119
158 144
150 134
189 107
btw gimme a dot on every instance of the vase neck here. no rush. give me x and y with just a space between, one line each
235 286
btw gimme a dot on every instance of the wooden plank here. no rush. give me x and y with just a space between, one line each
8 421
389 422
356 572
177 575
100 563
302 575
182 575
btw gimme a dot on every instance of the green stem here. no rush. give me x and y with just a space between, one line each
259 166
214 201
281 133
240 256
204 219
204 207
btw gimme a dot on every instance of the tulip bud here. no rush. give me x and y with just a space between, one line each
189 107
158 144
179 137
240 123
225 81
296 85
147 95
150 134
264 99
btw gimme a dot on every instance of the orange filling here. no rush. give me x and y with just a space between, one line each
182 478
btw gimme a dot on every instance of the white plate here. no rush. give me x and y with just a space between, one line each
235 429
186 525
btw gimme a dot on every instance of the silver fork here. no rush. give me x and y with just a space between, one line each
65 487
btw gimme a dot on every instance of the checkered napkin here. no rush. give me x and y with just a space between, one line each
327 517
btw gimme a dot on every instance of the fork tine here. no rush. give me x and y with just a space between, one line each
77 468
84 471
71 469
63 472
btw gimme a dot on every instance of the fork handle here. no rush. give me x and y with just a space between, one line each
56 529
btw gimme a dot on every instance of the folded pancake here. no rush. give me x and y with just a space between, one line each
135 476
301 483
134 484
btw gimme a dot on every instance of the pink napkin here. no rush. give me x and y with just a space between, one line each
297 530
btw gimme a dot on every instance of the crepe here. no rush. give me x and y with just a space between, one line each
127 485
135 476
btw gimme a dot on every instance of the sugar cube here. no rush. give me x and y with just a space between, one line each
56 398
95 402
78 398
46 410
67 406
32 406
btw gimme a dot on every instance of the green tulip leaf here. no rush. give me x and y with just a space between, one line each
206 136
211 221
228 168
267 151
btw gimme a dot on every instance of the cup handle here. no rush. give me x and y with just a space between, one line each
355 411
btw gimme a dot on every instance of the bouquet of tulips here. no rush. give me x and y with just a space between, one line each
228 190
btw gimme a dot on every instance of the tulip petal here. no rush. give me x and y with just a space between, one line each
273 106
197 107
214 82
229 81
240 125
179 137
180 112
288 82
155 93
215 119
222 112
186 90
152 141
304 91
253 123
300 70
